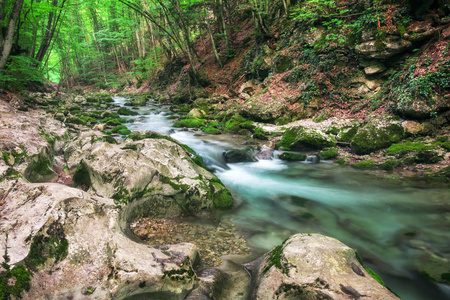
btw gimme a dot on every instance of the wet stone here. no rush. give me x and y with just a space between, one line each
213 241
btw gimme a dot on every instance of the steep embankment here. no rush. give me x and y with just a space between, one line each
385 67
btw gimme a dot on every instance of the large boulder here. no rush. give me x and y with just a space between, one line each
302 138
376 134
383 50
313 266
157 171
73 244
28 142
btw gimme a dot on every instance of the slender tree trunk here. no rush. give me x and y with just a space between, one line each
6 41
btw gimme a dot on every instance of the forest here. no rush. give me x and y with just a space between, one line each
224 149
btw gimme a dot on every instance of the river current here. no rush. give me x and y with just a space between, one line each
397 226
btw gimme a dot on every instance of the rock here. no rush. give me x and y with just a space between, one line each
375 68
74 244
100 127
237 156
376 134
313 266
248 87
262 111
31 139
196 114
420 30
417 108
302 138
291 156
385 50
414 128
158 175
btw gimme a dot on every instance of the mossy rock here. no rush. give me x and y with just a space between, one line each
119 129
190 123
126 112
390 164
260 134
223 199
329 153
365 164
290 156
443 141
345 135
375 136
211 130
341 161
237 156
401 149
305 139
52 244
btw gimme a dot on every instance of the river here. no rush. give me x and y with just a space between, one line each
396 226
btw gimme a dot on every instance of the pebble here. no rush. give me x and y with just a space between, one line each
211 241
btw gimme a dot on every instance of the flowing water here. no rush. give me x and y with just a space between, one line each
395 225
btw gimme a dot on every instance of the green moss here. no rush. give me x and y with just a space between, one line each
21 277
275 258
329 153
389 164
130 146
53 245
113 122
407 147
126 112
81 176
182 274
371 138
38 169
347 134
124 131
223 199
293 156
210 130
288 139
172 117
118 129
260 134
375 276
443 141
365 164
341 161
121 196
190 123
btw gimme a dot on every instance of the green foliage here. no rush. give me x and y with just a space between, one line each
443 141
19 72
260 134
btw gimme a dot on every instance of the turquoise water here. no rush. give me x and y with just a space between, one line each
397 226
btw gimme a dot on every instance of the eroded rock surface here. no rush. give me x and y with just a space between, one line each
72 242
313 266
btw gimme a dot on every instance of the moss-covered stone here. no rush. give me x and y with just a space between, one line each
365 164
390 164
223 198
345 135
329 153
341 161
210 130
53 244
260 134
289 156
190 123
126 112
305 139
401 149
443 141
376 135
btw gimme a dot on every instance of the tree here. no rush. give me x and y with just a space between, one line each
7 34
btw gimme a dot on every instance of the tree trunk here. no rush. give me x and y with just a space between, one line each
6 41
